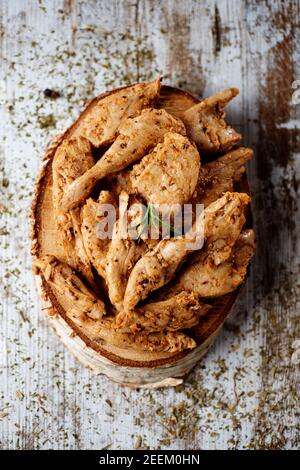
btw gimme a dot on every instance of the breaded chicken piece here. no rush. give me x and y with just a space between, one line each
224 220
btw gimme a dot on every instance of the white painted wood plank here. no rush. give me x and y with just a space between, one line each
80 48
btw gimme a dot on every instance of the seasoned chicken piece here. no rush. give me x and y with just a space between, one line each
121 182
223 221
162 341
63 280
89 315
207 279
92 213
121 258
72 158
206 125
169 174
219 176
122 255
136 137
158 265
178 312
101 124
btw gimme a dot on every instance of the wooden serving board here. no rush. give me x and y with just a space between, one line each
121 365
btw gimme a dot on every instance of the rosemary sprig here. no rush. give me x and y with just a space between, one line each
145 222
152 217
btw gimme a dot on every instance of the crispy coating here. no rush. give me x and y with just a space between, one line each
162 341
64 281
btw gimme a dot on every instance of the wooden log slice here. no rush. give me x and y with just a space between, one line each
125 366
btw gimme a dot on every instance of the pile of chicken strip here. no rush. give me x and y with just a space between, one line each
142 293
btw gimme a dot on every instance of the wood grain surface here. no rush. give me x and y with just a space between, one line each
245 393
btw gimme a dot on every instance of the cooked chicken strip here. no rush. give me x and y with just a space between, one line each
223 221
122 255
121 182
178 312
219 176
121 258
208 280
163 341
169 174
63 280
71 160
92 213
136 137
206 126
88 313
101 124
157 267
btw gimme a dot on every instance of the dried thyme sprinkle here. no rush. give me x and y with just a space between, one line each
205 393
47 122
138 442
20 395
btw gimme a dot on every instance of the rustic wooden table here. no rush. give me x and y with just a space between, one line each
245 393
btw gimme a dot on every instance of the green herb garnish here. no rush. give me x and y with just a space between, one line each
153 218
